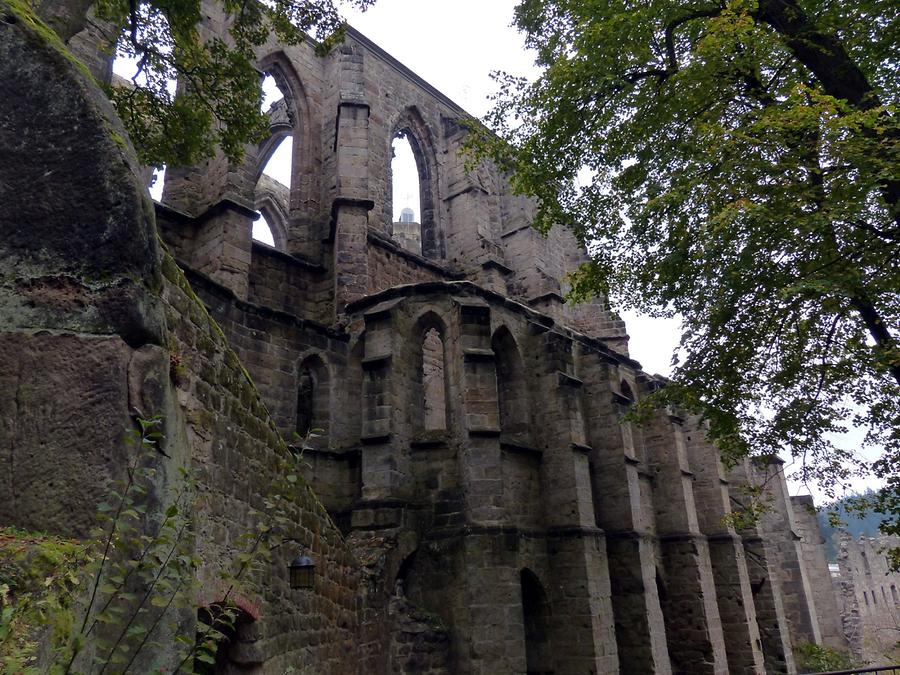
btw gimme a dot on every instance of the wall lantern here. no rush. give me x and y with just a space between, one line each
302 571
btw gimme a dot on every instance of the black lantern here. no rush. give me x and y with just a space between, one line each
302 572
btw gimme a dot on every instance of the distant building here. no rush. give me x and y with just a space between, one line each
408 232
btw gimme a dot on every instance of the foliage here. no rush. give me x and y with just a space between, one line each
217 99
748 506
122 598
39 581
813 658
734 164
855 514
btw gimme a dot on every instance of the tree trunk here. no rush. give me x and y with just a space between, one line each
878 330
826 58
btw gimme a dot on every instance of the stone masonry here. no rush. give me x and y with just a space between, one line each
474 500
868 598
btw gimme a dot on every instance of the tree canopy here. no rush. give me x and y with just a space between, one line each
735 164
194 92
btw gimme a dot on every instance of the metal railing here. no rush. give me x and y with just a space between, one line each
885 670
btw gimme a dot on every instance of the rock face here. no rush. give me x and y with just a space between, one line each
475 503
95 317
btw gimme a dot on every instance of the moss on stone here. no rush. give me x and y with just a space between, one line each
40 578
24 13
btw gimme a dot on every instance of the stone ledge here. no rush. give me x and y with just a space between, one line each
484 432
374 439
538 322
343 454
475 354
675 537
567 380
621 399
196 278
520 448
259 247
497 265
552 296
374 362
430 438
428 441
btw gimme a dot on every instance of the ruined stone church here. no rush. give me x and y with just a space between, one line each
474 502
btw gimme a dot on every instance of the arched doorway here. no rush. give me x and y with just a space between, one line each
226 642
536 617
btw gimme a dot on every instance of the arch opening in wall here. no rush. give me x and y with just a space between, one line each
632 435
234 651
627 394
411 183
536 619
512 388
403 582
434 390
428 394
274 171
405 195
313 401
661 591
262 230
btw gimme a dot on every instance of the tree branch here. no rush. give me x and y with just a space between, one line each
825 56
877 329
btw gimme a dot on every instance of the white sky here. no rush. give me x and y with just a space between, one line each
455 46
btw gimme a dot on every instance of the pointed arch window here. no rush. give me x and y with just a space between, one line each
512 388
313 408
275 166
434 396
536 619
411 185
405 196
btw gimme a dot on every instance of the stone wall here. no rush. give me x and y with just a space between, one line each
812 546
500 515
869 598
103 322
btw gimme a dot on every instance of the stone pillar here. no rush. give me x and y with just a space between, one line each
815 562
495 642
472 228
765 583
693 624
778 524
382 472
624 511
582 633
350 209
482 481
733 592
223 245
351 262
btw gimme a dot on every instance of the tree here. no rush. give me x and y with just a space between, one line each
216 102
735 164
